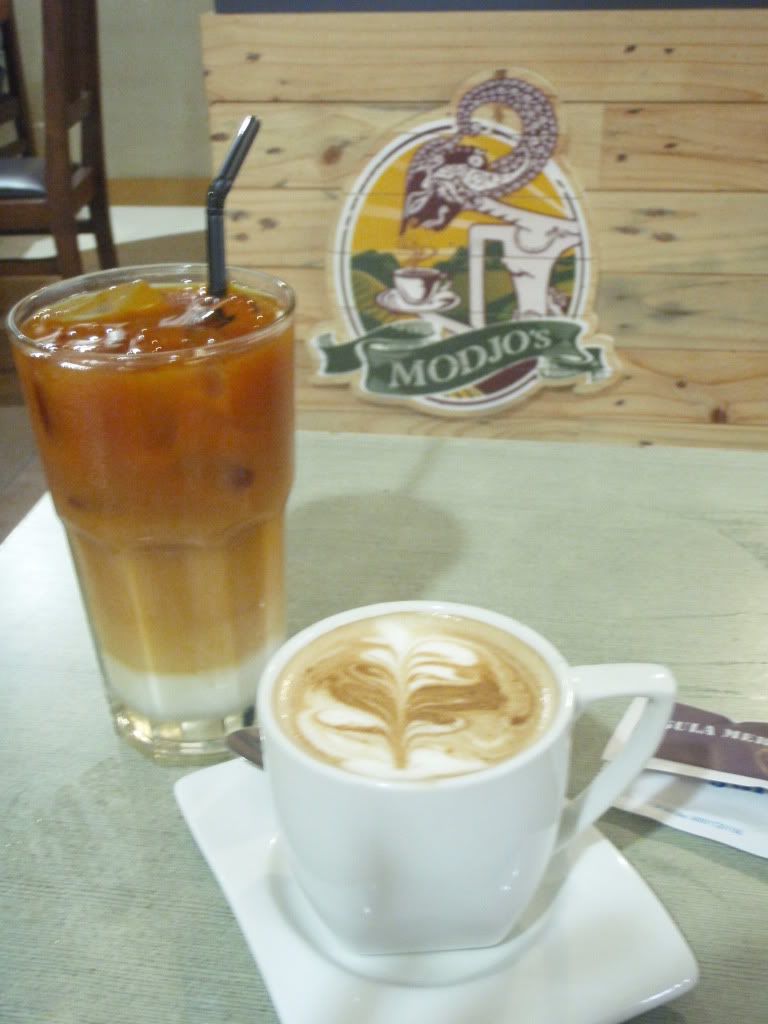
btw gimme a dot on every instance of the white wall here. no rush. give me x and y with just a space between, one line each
155 116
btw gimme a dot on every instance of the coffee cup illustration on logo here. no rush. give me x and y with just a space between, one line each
471 236
417 285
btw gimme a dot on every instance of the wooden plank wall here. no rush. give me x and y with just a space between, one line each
667 115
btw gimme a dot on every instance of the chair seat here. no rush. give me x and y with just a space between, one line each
22 178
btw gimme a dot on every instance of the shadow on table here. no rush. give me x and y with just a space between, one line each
356 549
670 1016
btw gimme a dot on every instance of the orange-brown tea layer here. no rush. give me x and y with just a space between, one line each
160 609
188 445
168 448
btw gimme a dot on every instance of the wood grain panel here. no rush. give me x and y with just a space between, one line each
587 55
353 417
654 392
324 145
673 382
682 146
685 146
697 311
717 29
681 232
664 113
682 312
642 232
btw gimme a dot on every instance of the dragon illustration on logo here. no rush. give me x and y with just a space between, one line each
463 273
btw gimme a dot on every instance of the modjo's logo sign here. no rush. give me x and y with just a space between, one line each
462 271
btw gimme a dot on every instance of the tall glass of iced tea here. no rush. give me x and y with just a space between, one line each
165 425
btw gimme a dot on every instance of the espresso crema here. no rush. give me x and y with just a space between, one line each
415 696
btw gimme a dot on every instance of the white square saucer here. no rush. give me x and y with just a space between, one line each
597 948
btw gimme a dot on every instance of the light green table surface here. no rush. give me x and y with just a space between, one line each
108 913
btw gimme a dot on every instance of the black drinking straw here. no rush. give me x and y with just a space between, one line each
218 191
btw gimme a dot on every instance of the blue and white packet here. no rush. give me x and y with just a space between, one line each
709 777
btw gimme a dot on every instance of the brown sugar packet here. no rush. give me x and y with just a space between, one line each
705 745
706 740
709 777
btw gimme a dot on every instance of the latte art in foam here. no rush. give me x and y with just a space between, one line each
415 696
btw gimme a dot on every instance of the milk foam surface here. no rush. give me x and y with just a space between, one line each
415 696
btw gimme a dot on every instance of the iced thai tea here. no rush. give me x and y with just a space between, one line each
164 420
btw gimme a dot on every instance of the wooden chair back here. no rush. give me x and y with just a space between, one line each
14 106
45 195
71 85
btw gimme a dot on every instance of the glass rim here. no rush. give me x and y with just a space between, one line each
175 273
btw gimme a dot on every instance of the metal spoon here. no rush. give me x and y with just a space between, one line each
247 743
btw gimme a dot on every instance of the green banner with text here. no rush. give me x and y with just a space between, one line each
404 359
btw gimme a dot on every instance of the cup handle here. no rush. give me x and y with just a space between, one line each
599 682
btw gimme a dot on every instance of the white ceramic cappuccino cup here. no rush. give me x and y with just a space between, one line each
450 863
